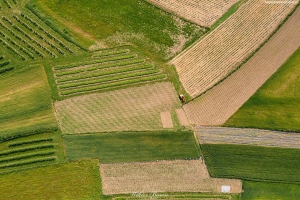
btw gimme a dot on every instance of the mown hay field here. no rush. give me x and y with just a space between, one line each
132 146
222 101
136 108
220 52
74 180
162 176
255 137
252 162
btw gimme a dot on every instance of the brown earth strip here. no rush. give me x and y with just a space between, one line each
222 101
182 118
166 119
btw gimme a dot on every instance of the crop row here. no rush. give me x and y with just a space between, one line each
109 79
17 164
32 148
7 4
30 142
35 33
19 47
1 57
109 53
12 49
48 34
15 2
32 155
115 58
113 85
33 40
6 69
90 75
22 40
2 64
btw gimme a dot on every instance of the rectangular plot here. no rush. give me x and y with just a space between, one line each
166 119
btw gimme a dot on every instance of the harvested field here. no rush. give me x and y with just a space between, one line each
220 135
219 53
162 176
204 13
182 118
166 119
222 101
136 108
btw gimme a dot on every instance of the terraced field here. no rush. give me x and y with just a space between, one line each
162 176
204 13
219 53
222 101
135 108
108 69
256 137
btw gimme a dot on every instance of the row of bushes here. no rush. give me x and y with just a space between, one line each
6 69
15 2
32 148
7 4
2 64
23 157
28 162
12 49
30 142
115 58
110 78
20 48
113 85
109 53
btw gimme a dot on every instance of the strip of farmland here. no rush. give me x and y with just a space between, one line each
204 13
257 137
226 47
222 101
162 176
136 108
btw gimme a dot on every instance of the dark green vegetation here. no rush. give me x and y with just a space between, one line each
134 22
267 191
25 102
252 162
132 146
75 180
31 151
275 105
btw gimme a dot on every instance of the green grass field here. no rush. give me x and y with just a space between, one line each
267 191
132 146
252 162
74 180
276 104
25 101
134 22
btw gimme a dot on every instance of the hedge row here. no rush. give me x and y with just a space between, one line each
27 156
110 78
28 162
30 142
112 85
32 148
115 58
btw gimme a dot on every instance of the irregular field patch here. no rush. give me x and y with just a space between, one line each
136 108
132 146
204 13
256 137
74 180
162 176
252 162
212 58
222 101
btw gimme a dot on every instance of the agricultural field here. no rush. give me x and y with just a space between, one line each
74 180
221 102
252 162
132 146
162 176
135 108
207 62
205 13
255 137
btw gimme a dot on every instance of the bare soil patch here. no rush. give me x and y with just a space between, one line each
166 119
162 176
222 101
182 118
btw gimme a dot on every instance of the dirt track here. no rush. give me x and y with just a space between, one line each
162 176
222 101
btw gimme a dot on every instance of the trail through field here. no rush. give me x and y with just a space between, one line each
222 101
204 13
257 137
162 176
136 108
219 53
